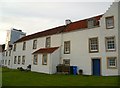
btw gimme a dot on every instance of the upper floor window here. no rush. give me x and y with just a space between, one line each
34 44
67 47
9 62
110 22
24 45
5 62
23 60
93 45
6 53
110 43
35 59
112 62
19 59
48 41
14 49
44 59
9 52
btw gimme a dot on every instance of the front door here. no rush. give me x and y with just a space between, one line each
96 67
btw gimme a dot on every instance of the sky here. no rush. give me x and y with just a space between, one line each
33 16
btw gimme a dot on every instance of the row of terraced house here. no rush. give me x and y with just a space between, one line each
91 44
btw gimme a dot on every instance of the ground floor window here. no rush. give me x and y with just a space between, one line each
35 59
23 60
112 62
19 59
9 62
44 59
15 59
5 62
66 61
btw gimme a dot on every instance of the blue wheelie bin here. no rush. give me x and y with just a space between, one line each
75 70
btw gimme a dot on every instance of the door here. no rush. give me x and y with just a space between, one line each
96 67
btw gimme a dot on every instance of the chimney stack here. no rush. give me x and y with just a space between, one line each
68 21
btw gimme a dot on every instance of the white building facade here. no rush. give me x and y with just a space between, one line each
91 44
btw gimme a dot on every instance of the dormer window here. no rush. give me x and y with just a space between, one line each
91 23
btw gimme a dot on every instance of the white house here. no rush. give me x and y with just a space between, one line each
91 44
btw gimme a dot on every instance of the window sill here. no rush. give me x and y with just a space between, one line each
111 50
93 51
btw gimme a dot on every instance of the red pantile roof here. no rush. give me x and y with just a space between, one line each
82 24
52 31
46 50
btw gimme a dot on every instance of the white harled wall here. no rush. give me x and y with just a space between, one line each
79 54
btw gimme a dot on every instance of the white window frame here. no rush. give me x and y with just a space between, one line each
108 45
19 59
23 60
66 60
44 56
111 64
93 45
35 59
48 42
67 47
15 59
24 45
109 22
35 44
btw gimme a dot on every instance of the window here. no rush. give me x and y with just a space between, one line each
66 61
3 53
34 44
14 49
6 53
67 47
112 62
9 52
5 62
9 62
48 41
23 60
19 59
93 45
110 43
24 45
15 59
91 23
109 22
44 59
35 59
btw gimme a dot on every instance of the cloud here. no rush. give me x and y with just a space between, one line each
35 16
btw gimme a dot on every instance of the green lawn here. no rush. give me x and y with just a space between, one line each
19 78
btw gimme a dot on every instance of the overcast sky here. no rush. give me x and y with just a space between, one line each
36 15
